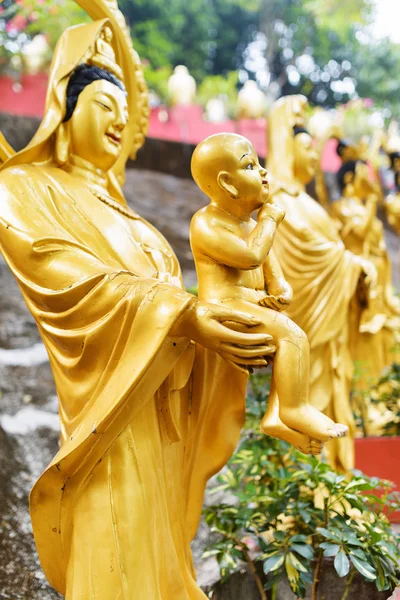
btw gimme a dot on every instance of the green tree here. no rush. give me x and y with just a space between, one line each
311 46
208 36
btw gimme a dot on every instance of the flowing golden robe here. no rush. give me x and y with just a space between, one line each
146 418
323 275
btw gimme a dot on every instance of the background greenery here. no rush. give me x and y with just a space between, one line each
321 48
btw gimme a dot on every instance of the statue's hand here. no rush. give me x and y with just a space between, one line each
225 331
271 211
280 295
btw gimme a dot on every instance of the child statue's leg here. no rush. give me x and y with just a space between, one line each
272 424
291 371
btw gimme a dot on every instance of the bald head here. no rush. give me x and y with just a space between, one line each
219 153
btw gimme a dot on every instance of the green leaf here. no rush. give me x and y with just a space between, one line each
304 550
299 538
292 572
356 483
328 534
305 515
381 582
357 552
364 568
329 549
296 563
341 564
273 563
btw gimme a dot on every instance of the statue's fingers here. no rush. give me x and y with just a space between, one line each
242 361
250 352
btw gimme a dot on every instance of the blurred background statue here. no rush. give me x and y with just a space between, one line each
392 203
251 101
181 87
373 327
323 274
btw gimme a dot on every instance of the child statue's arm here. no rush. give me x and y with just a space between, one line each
280 293
212 238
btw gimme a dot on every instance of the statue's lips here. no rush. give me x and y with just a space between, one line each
265 181
114 138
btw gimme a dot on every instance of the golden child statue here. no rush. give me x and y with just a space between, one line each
147 416
323 274
236 267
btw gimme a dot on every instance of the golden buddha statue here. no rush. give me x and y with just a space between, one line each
236 267
104 56
372 330
391 146
149 409
323 274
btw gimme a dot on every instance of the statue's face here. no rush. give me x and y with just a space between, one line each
249 177
305 158
97 124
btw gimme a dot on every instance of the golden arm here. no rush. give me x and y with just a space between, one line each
213 239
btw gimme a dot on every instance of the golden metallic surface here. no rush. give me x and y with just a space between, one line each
372 330
147 416
323 274
236 267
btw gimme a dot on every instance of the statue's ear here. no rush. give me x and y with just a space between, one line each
62 145
225 182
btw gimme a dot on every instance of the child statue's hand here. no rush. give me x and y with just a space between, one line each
271 211
279 297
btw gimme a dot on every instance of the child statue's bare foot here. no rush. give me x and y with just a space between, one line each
272 425
311 422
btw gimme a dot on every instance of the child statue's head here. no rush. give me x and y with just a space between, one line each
225 166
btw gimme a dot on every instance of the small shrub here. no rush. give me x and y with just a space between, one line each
291 511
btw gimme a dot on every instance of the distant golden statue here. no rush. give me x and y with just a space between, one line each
236 267
392 201
373 327
149 378
323 274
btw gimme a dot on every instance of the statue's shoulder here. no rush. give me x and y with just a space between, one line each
22 184
22 175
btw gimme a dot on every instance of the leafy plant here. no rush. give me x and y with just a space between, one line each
292 512
157 80
385 399
224 86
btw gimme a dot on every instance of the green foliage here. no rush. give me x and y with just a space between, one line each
313 46
208 36
51 17
21 20
157 80
385 395
220 85
293 511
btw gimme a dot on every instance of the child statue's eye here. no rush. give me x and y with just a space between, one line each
249 167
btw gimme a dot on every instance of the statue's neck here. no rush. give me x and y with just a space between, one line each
79 167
